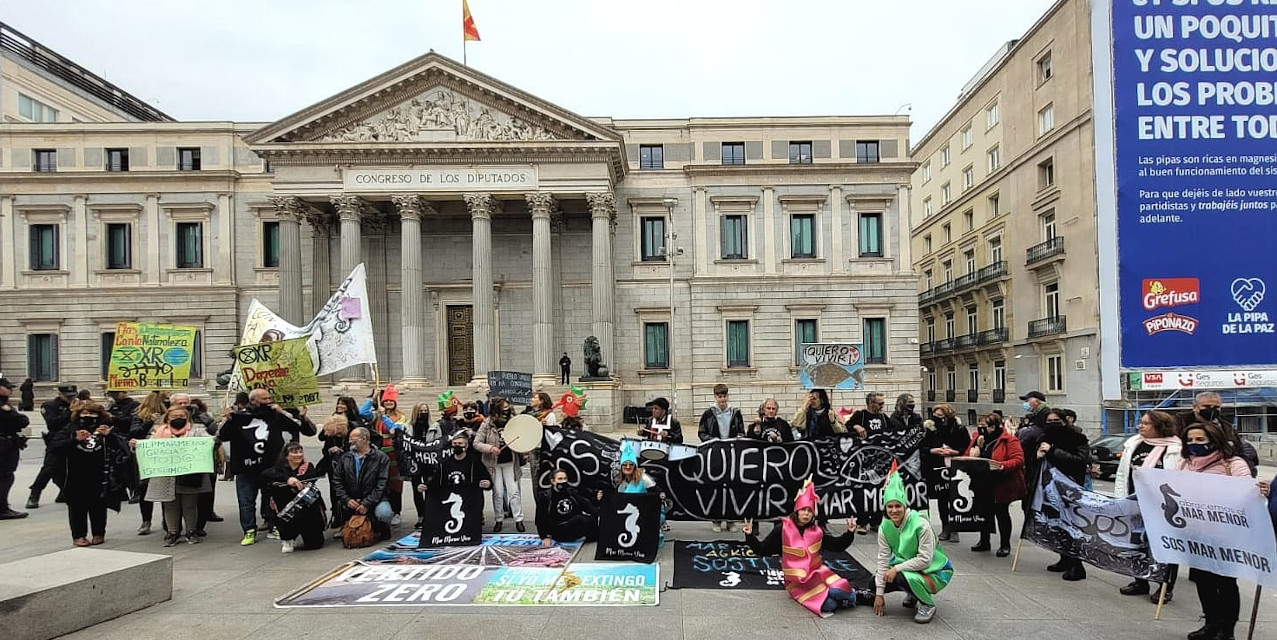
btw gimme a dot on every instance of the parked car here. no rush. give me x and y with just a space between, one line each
1106 453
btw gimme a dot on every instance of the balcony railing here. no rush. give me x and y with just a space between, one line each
972 395
944 345
943 290
964 342
994 336
993 272
1047 327
950 395
1040 252
927 348
965 281
999 395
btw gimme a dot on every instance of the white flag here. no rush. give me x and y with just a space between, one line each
340 335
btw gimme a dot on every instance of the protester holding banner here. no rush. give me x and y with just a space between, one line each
99 471
720 421
461 467
1066 448
799 539
1000 484
504 465
1208 449
148 414
943 437
909 558
256 436
1156 446
565 513
199 415
1207 407
385 422
768 426
303 518
631 479
815 420
180 495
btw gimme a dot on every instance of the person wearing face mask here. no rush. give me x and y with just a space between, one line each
99 471
471 418
425 431
384 422
909 557
565 514
905 417
504 466
179 495
359 480
1207 449
1066 449
1156 446
256 435
798 539
1208 407
449 406
1001 485
1032 428
462 467
943 437
768 426
284 482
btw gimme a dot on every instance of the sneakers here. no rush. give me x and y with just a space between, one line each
954 537
420 522
33 501
192 538
145 529
171 539
10 514
731 526
924 613
286 546
249 539
394 522
273 534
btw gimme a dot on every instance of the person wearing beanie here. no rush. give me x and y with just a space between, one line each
386 420
662 427
798 539
909 558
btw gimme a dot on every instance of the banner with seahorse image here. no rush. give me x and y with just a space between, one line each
453 517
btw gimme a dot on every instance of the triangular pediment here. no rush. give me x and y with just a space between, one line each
432 100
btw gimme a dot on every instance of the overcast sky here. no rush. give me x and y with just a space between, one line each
260 60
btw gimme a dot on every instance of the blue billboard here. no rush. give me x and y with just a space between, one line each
1195 134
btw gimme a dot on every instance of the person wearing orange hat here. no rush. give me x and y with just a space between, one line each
385 422
798 540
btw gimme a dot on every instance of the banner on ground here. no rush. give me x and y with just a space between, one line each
162 457
739 478
453 517
282 367
339 336
965 476
579 584
832 366
731 564
511 385
1108 533
150 357
629 527
495 550
1211 522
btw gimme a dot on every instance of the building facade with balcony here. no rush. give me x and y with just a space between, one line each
1003 230
764 233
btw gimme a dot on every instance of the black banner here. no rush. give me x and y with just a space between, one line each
629 527
970 494
511 385
417 456
453 517
731 564
1104 532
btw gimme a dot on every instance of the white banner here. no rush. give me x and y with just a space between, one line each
339 336
1211 522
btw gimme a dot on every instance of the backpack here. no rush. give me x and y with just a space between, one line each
357 532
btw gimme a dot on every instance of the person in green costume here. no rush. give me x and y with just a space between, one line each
909 559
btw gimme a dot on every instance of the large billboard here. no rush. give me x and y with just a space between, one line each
1186 137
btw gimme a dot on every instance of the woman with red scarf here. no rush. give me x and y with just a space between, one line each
798 540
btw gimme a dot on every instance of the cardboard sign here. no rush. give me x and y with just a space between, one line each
162 457
511 385
150 357
283 367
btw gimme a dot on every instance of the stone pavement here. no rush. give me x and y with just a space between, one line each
225 591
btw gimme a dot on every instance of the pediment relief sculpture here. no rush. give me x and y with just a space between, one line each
440 115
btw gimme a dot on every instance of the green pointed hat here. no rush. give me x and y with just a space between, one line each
894 490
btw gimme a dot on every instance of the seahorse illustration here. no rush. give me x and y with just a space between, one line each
1170 507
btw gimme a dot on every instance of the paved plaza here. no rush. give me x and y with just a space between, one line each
224 591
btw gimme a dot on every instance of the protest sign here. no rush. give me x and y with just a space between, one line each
832 366
150 357
1211 522
453 517
732 564
283 367
1101 531
511 385
159 457
629 527
588 584
966 511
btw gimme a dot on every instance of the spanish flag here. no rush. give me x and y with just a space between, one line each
469 31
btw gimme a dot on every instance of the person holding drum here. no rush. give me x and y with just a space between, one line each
296 500
505 466
662 427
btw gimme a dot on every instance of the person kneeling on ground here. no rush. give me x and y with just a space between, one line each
564 514
284 482
359 484
909 559
798 540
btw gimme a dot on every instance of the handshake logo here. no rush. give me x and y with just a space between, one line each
1248 293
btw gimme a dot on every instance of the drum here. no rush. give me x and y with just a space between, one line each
652 449
681 451
305 498
523 433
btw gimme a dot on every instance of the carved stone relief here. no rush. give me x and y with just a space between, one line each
440 115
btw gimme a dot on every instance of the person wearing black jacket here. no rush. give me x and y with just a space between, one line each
944 437
57 415
284 482
122 409
768 426
1207 407
662 427
100 469
28 395
870 420
359 483
12 441
256 437
1065 448
565 514
720 420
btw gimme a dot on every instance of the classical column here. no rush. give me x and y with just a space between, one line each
603 217
412 309
288 210
349 209
321 248
152 229
543 361
481 206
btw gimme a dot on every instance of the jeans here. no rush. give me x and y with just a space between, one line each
84 514
1221 602
505 490
246 490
